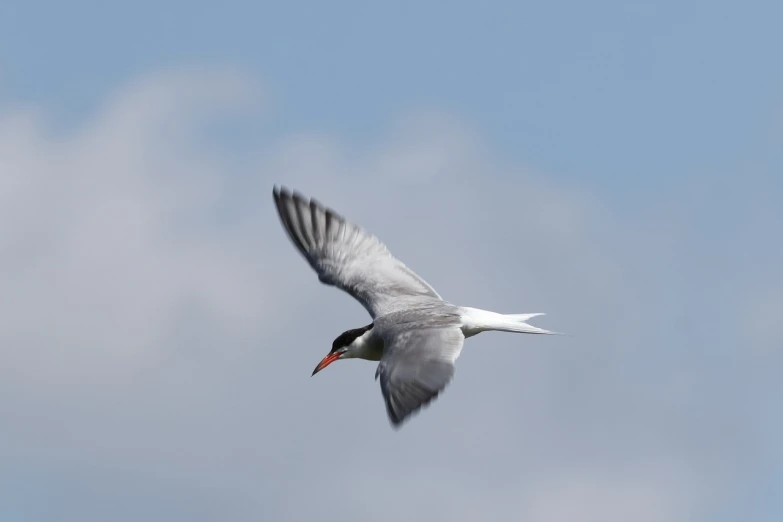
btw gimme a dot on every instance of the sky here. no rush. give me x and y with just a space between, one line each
616 165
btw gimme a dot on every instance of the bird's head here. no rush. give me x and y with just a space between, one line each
346 346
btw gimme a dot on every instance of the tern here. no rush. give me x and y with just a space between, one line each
414 335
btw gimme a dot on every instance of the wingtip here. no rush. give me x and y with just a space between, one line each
396 423
281 192
299 197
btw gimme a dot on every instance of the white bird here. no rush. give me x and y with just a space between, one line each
415 335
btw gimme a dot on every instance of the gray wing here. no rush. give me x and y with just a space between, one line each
346 256
415 368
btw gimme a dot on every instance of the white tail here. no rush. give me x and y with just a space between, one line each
475 320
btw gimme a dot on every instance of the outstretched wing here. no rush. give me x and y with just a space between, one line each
346 256
415 368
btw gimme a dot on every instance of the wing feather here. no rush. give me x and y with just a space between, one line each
416 367
346 256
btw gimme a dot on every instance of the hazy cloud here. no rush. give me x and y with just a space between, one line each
158 330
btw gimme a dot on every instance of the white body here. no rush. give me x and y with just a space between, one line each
471 321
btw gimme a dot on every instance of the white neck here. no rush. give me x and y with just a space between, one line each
366 346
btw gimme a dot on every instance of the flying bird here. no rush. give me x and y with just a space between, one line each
414 335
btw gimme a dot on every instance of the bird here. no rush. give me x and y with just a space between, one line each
415 335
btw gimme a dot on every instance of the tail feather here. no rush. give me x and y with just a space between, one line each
476 321
522 317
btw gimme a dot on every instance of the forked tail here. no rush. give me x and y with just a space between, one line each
475 320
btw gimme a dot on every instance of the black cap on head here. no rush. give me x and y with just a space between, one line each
349 336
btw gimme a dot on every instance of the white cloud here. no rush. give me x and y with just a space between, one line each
158 330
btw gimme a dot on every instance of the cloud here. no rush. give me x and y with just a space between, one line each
158 329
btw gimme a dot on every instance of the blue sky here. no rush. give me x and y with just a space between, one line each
629 95
614 164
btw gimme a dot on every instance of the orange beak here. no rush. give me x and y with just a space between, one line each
326 361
